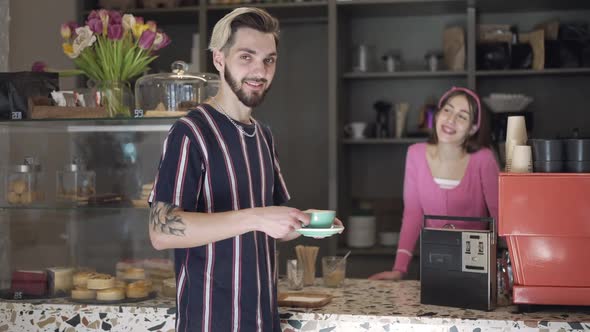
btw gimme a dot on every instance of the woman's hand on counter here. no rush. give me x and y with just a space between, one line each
387 275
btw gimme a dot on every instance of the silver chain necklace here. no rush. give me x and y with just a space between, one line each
234 122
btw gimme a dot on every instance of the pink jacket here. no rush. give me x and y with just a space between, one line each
475 196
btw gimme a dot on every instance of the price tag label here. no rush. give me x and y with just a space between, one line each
138 113
18 295
16 115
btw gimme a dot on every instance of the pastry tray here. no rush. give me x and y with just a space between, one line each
151 295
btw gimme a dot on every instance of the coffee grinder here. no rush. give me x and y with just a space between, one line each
382 128
458 266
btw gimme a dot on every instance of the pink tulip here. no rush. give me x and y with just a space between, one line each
147 39
73 25
93 14
65 31
162 40
115 31
95 25
115 17
38 67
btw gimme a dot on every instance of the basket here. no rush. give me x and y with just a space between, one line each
500 102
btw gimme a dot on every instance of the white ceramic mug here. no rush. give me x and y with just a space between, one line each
356 130
388 238
361 231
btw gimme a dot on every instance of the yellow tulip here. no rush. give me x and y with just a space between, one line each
68 49
138 29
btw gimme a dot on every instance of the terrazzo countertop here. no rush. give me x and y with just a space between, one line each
61 315
360 305
367 305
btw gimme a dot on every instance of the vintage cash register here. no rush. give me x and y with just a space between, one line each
458 266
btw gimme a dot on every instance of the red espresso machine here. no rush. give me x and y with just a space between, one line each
545 218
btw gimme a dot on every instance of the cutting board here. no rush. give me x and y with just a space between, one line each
304 300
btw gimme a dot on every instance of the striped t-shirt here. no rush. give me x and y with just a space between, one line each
208 165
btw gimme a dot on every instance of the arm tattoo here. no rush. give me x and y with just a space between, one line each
163 219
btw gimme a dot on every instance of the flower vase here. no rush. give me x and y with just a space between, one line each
117 98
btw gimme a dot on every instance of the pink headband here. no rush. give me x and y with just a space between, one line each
469 92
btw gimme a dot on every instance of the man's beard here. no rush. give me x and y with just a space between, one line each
253 99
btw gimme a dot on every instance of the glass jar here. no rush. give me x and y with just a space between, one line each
23 183
174 92
75 184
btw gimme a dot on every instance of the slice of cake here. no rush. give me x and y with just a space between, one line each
29 282
60 280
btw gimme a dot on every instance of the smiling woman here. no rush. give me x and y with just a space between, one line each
454 174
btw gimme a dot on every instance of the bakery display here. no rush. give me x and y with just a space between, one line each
29 282
158 270
60 280
110 294
23 183
138 289
80 278
80 293
124 265
134 273
146 189
120 283
169 287
100 281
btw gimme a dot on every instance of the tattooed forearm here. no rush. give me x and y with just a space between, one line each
164 219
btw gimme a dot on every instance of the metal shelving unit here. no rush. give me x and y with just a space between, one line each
403 74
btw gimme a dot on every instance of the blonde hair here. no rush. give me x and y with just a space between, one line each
222 37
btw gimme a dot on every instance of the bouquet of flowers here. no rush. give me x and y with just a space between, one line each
111 49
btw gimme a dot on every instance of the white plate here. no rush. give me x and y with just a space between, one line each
320 232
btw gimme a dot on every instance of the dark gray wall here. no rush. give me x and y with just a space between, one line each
296 109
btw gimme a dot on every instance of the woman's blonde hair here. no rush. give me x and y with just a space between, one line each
222 37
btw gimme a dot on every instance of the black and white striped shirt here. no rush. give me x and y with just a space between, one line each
207 165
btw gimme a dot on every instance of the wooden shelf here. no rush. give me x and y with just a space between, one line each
530 72
370 8
282 10
410 140
188 14
495 6
404 74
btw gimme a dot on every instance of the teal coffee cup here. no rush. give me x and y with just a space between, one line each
320 218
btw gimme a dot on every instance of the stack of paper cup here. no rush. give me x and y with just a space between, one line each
522 159
515 135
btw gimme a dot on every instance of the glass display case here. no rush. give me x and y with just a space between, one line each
104 226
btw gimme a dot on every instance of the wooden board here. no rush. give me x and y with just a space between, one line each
305 300
164 114
55 112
